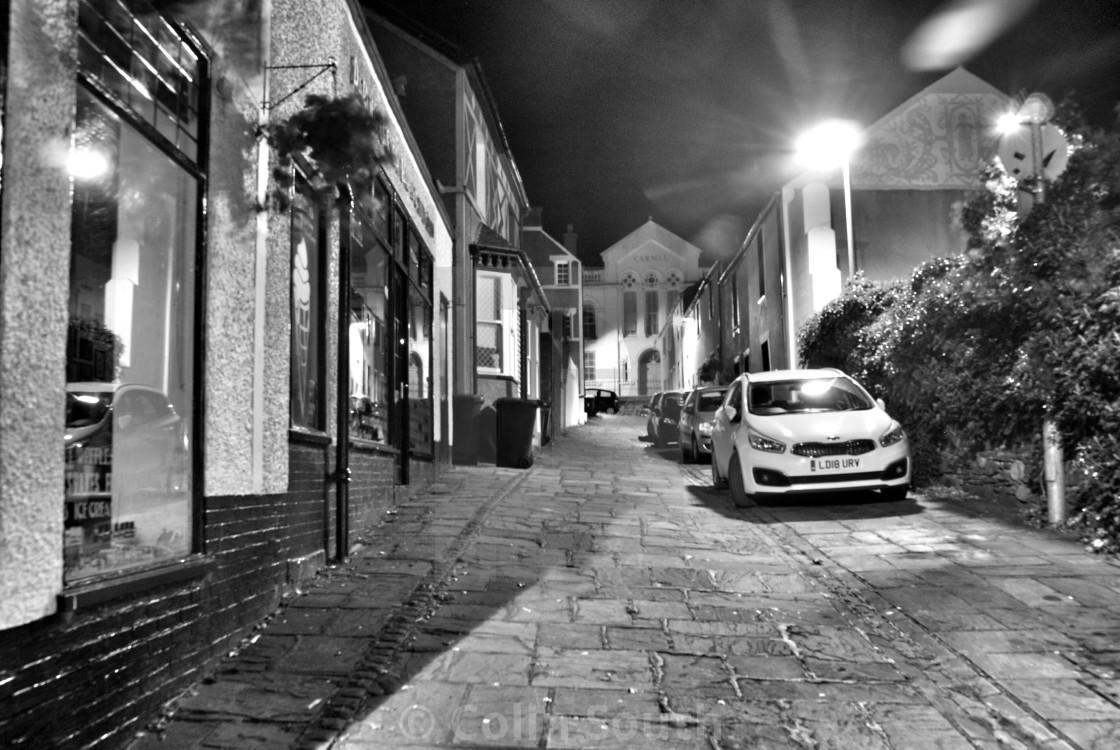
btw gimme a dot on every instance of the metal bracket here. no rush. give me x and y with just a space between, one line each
344 475
331 65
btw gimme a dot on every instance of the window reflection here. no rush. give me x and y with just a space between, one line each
370 377
129 352
308 316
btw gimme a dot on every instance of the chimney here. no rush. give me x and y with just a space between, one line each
570 238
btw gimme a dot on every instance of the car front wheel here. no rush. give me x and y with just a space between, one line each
735 479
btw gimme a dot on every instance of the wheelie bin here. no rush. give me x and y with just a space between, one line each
516 418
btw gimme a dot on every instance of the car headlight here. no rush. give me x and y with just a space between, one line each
763 443
668 420
704 428
893 435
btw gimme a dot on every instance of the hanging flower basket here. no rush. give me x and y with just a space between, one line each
341 139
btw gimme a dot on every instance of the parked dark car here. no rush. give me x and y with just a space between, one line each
596 400
695 424
664 412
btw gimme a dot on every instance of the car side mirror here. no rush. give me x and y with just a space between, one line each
732 413
881 404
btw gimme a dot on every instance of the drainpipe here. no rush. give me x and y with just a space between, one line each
341 476
260 250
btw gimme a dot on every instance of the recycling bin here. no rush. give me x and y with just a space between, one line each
465 409
516 418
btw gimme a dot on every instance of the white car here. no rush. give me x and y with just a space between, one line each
793 432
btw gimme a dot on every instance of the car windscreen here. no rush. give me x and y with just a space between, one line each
812 395
709 401
85 409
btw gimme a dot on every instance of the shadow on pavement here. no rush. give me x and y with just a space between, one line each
806 508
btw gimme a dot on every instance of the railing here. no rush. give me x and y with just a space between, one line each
593 276
606 377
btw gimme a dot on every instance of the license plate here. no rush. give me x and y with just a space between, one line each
839 464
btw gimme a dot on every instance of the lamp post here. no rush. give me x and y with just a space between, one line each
1038 155
825 146
1030 148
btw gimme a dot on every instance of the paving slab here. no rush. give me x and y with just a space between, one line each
608 597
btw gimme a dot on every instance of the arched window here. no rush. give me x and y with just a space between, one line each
589 329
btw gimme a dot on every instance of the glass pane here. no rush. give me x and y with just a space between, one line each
143 60
308 317
381 206
398 236
488 350
420 430
130 355
370 385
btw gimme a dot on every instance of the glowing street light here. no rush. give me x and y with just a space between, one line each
1030 148
826 146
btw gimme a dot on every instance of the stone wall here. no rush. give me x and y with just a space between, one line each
1007 479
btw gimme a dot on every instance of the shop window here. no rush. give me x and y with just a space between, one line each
130 365
370 344
308 360
390 329
421 432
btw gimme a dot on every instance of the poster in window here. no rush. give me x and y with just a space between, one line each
306 385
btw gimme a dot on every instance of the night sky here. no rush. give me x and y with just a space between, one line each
685 111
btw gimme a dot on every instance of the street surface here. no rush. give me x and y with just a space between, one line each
609 598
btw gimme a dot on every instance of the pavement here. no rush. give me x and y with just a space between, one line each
607 597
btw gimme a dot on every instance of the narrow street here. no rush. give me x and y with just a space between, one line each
609 598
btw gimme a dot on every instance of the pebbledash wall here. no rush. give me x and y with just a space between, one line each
87 660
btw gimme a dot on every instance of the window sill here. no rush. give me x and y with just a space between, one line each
92 594
372 446
306 436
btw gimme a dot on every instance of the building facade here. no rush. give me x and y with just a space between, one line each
627 302
500 306
242 358
561 276
917 167
910 179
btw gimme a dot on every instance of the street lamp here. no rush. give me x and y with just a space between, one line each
1030 148
825 146
1038 155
